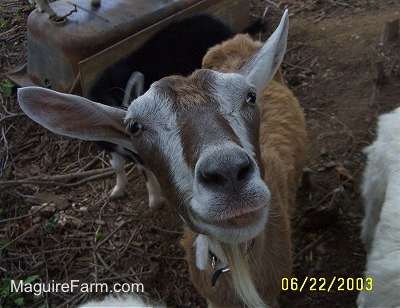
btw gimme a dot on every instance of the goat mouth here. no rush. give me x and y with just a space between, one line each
232 224
241 218
245 219
248 212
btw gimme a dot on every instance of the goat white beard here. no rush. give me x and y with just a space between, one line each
234 256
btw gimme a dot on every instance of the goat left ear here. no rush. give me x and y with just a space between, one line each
262 66
74 116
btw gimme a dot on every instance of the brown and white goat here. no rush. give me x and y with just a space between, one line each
282 153
227 153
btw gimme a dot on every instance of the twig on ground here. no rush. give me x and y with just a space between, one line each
273 3
11 116
31 229
166 231
43 252
323 237
112 233
78 296
90 164
24 216
53 179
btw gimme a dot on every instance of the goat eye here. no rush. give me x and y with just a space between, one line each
251 98
135 128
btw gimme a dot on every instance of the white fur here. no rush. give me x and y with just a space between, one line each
156 199
131 300
227 95
201 246
117 161
381 224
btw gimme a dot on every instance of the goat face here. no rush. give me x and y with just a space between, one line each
200 135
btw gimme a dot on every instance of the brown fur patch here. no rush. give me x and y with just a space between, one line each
232 54
188 91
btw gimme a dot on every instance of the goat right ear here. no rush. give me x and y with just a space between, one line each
262 66
74 116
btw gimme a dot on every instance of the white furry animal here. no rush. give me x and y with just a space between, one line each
381 224
131 300
227 146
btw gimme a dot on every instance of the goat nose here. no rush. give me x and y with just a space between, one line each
225 171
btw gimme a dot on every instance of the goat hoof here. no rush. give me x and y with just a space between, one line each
156 203
117 194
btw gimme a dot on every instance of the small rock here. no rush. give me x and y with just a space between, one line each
324 151
100 222
36 219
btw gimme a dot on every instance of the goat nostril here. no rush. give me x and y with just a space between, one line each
244 170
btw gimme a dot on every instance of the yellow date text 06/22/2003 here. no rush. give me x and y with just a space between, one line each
334 284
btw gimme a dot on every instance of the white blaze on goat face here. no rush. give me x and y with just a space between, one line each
200 135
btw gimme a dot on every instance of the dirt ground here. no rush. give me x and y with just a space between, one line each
57 223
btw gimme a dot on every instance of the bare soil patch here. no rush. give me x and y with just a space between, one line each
66 228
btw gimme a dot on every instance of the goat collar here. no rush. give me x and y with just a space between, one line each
217 272
203 252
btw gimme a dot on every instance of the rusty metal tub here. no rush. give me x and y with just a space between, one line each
68 55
